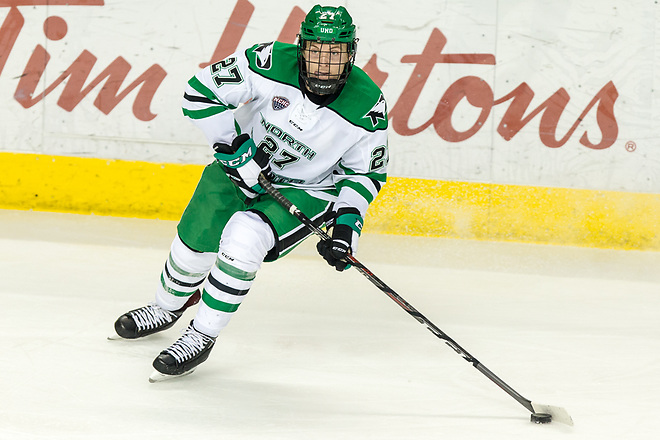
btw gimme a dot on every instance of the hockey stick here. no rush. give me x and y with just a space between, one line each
540 413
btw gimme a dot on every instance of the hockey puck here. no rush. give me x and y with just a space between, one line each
541 418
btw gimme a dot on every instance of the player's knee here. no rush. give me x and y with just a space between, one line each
189 260
246 239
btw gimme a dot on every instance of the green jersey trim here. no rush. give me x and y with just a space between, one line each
380 177
285 68
359 100
217 108
202 89
360 103
357 187
204 113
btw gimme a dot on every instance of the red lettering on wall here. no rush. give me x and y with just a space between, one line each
480 95
14 21
371 69
238 21
9 32
477 93
292 26
470 89
231 36
75 89
424 62
609 128
552 108
76 75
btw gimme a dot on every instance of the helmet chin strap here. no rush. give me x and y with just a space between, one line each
320 99
322 87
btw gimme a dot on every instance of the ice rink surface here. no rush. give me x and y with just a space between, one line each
315 354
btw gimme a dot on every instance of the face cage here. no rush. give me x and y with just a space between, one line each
317 77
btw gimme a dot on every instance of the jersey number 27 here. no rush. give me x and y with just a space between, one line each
226 72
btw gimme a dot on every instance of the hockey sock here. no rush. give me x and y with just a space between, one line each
183 274
245 242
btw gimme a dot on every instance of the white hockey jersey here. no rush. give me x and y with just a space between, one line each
342 145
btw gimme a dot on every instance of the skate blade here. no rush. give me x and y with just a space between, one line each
116 337
157 376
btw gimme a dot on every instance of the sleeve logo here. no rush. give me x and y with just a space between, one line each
377 112
264 52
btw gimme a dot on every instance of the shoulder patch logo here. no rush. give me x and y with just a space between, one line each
280 103
264 54
377 112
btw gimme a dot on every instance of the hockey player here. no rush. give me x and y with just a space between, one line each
316 126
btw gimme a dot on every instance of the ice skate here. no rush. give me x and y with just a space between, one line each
149 319
182 357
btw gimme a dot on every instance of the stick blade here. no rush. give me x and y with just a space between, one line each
558 414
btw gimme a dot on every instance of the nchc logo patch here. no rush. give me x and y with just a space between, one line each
280 103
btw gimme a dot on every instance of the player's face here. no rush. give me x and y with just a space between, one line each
325 61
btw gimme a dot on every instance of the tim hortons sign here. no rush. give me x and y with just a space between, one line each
75 83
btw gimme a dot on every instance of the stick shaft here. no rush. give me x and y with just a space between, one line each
405 305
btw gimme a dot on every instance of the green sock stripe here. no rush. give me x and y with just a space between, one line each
217 304
234 272
184 272
172 291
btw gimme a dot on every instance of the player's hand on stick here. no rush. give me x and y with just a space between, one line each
243 161
346 228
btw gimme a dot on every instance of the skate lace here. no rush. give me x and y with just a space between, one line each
151 316
189 344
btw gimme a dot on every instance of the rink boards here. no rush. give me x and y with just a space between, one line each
527 121
419 207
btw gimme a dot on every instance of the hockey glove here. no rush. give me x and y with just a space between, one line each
345 233
243 162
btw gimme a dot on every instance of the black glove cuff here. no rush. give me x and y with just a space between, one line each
343 233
